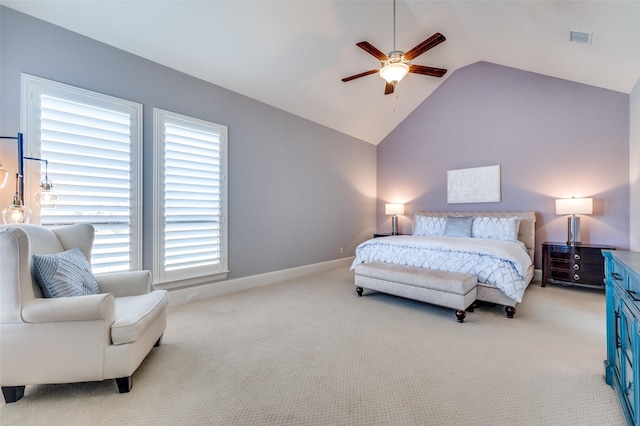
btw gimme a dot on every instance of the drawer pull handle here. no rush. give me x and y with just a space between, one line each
576 277
576 256
616 332
576 266
632 295
616 276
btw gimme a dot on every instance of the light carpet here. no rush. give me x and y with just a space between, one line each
310 352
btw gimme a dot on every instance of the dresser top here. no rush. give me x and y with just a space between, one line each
631 259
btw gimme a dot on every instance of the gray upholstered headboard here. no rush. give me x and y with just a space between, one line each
526 234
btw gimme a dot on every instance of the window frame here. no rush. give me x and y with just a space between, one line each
31 89
192 275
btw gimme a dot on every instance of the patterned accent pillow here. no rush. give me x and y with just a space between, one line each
496 228
428 226
458 226
64 274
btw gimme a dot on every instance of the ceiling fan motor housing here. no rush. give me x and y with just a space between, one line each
395 56
397 64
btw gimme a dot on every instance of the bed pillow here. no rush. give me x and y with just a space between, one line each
64 274
496 228
428 226
458 226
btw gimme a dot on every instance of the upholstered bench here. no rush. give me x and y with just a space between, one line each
452 290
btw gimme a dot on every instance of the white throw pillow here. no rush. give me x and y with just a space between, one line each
428 226
496 228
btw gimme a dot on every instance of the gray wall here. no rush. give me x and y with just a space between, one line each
553 139
298 191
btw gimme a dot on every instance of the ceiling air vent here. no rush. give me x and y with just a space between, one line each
583 37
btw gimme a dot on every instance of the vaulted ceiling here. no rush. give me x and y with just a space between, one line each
293 54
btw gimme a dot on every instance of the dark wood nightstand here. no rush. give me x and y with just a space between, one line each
580 264
385 235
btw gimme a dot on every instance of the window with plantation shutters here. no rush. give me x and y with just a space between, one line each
190 198
93 146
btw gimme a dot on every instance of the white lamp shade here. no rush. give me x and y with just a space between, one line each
391 209
394 72
574 206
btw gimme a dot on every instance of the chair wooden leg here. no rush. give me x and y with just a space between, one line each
159 342
12 393
124 384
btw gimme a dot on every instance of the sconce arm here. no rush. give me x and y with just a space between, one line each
19 138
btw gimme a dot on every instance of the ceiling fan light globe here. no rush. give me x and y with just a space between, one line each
393 73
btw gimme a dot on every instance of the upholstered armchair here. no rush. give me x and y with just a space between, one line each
103 334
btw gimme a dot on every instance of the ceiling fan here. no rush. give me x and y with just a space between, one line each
397 64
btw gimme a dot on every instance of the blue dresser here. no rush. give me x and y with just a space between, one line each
622 367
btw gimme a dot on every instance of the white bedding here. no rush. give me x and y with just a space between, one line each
503 264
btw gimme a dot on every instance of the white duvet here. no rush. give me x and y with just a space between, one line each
502 264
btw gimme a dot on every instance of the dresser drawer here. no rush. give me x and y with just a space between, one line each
621 278
634 285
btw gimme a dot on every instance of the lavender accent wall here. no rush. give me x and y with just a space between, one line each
298 191
634 166
553 139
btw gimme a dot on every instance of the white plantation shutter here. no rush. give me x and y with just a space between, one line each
191 197
92 143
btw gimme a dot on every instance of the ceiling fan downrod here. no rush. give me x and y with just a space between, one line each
394 25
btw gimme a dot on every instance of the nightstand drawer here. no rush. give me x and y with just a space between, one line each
581 267
583 256
577 277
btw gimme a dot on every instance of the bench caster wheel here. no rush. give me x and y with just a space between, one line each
359 291
461 315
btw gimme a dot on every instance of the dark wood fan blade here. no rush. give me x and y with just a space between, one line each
388 89
370 49
434 72
362 74
429 43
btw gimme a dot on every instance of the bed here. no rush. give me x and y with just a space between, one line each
497 247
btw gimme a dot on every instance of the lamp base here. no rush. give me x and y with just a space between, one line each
394 225
573 236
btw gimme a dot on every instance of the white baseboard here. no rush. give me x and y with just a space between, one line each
203 291
537 275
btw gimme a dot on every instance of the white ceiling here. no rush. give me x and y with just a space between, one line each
292 54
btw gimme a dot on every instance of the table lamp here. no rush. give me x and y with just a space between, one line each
394 209
574 206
